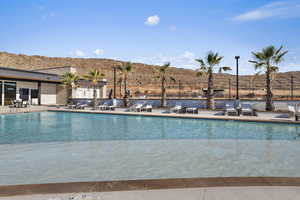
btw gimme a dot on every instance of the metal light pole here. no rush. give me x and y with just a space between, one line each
115 82
292 87
179 89
229 88
237 77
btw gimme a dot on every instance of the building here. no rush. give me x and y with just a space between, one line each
43 86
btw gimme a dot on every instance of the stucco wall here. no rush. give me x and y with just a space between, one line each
48 94
61 96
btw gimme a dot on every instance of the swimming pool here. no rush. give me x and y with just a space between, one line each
53 147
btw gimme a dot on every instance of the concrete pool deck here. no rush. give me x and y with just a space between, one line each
282 117
218 193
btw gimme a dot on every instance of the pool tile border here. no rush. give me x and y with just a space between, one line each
174 115
108 186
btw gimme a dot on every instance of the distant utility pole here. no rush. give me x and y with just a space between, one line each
115 82
237 76
179 87
292 87
229 87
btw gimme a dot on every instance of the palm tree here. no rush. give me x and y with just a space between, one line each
94 76
163 78
125 70
70 81
207 68
266 61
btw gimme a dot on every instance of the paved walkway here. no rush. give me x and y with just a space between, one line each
262 116
217 193
9 110
203 114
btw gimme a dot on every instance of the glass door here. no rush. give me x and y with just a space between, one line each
10 91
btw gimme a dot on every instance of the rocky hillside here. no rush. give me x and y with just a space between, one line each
142 78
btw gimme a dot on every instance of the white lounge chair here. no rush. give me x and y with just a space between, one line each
230 110
147 108
176 109
136 108
103 106
292 111
297 113
114 105
81 106
246 109
71 106
193 110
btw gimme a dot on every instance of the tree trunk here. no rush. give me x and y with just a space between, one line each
269 97
210 93
69 95
95 97
163 93
125 99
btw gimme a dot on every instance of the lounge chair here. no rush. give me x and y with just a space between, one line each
114 105
292 111
177 109
71 106
297 113
246 109
230 110
136 107
103 106
81 106
147 108
193 110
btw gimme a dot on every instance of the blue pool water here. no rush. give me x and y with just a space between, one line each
50 147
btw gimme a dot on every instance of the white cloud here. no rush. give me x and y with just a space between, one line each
189 55
173 28
184 60
98 52
152 20
77 53
282 9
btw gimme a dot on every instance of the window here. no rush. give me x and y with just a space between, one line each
10 90
34 93
24 94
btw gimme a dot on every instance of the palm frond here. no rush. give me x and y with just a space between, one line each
279 58
201 73
201 62
172 79
224 69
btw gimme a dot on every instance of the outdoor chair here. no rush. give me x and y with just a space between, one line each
291 110
81 106
147 108
103 106
246 109
192 110
71 106
177 109
113 105
297 113
230 110
135 107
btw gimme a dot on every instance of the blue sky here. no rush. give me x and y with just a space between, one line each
153 31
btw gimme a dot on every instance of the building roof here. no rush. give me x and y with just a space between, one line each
19 74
